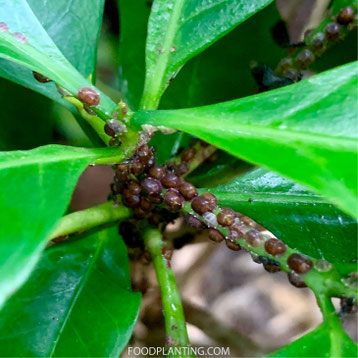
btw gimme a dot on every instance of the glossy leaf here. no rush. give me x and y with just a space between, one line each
168 145
306 131
39 184
322 342
26 126
180 29
75 35
301 219
133 31
77 303
221 170
222 71
38 52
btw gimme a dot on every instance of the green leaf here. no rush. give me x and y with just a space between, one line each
75 36
222 71
133 31
168 145
180 29
322 342
39 184
219 171
303 220
40 53
306 131
77 303
26 126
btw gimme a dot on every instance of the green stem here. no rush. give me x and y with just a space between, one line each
175 325
332 320
202 153
325 282
89 218
94 121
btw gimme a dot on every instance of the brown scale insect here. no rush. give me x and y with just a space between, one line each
173 200
304 59
254 238
215 235
146 204
203 203
20 37
318 41
285 64
233 245
40 78
144 153
156 199
272 267
152 186
114 126
130 199
299 263
137 167
109 131
332 31
181 169
134 187
154 219
3 27
296 280
248 221
89 96
167 254
188 191
170 180
139 212
188 154
211 198
226 217
237 231
346 15
157 172
293 75
275 247
194 222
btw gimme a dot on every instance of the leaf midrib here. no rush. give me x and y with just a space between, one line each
79 288
253 130
270 197
158 70
36 159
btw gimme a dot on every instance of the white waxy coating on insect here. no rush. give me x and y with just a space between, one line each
323 265
210 219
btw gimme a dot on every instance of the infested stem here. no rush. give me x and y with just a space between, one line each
202 153
331 318
327 283
89 218
175 325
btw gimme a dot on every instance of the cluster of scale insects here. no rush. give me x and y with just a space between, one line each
157 194
291 69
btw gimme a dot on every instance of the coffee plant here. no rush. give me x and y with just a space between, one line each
201 84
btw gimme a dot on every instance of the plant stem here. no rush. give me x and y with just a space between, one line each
332 320
89 218
202 153
175 325
325 282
